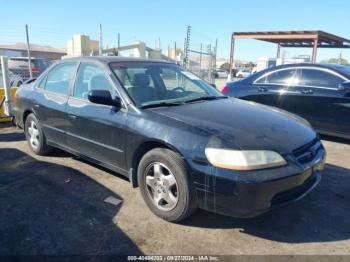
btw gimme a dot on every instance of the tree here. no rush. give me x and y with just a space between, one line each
340 61
250 66
225 66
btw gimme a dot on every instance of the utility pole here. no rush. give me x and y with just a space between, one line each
118 43
187 45
215 53
200 61
28 51
100 44
210 63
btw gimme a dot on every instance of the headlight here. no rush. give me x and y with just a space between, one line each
244 159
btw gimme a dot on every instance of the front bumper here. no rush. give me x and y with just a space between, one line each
247 194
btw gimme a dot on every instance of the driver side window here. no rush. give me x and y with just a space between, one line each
91 77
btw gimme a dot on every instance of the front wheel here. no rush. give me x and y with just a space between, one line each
165 185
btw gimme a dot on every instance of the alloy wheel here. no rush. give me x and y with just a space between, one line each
34 136
161 186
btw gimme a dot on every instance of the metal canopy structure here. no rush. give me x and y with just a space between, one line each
303 39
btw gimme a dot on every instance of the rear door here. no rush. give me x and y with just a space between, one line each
322 102
97 131
51 100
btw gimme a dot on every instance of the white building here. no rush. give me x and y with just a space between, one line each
82 45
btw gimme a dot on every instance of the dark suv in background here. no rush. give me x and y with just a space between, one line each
19 66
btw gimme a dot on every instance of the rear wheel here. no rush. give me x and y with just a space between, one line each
165 185
35 136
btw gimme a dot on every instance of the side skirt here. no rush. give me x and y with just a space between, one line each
91 159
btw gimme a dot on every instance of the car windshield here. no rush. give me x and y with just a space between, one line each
161 84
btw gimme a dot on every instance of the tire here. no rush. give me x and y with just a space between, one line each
170 165
37 143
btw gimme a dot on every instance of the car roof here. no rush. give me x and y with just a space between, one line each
109 59
333 67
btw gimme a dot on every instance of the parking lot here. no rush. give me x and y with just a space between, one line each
55 205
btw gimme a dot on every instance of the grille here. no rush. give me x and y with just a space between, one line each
307 153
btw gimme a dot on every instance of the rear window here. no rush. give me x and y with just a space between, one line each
41 63
23 63
19 63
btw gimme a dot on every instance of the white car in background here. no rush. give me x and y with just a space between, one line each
221 74
243 74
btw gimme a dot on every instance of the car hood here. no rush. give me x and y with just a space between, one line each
234 123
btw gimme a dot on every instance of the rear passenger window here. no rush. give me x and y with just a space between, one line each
313 77
59 78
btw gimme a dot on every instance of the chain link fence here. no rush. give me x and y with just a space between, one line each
202 64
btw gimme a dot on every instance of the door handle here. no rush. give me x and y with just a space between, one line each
72 116
307 92
262 89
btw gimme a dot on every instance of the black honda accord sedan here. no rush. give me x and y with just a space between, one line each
173 135
319 93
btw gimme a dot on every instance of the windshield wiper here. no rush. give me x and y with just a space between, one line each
160 104
178 103
205 98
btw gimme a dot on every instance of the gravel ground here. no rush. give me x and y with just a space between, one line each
55 205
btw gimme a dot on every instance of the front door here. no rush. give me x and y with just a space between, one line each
96 131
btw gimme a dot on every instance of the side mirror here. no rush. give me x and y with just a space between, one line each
213 85
103 97
344 86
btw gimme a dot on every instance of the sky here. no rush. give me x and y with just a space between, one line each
54 22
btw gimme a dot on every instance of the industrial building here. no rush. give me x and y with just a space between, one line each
38 51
